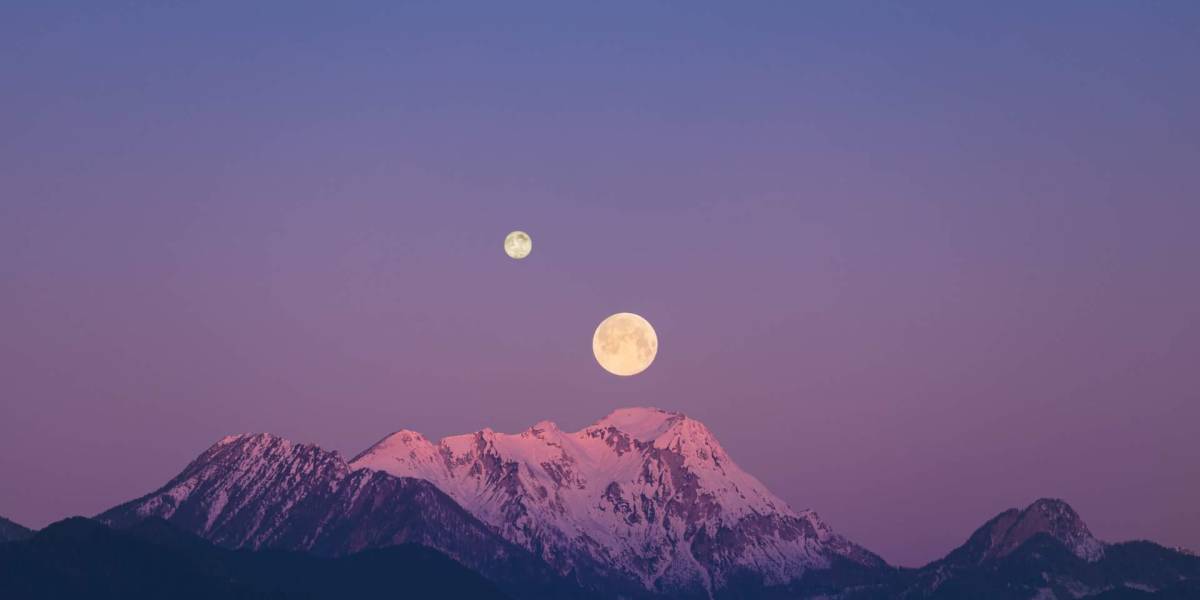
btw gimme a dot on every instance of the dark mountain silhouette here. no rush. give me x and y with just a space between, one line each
10 531
1010 529
81 558
1046 551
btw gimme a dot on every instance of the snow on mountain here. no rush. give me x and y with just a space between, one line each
643 504
261 491
1047 551
1057 518
643 495
1012 528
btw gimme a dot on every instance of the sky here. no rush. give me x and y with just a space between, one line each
912 265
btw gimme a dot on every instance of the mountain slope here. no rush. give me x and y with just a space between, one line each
642 504
264 492
1011 528
1047 551
79 558
643 496
10 531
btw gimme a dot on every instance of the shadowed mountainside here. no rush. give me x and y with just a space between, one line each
1047 551
261 492
10 531
81 558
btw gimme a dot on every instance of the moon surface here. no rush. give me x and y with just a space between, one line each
625 344
518 244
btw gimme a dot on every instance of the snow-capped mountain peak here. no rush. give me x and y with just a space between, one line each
259 491
642 424
639 495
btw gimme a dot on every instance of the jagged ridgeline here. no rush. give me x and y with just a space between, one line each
642 504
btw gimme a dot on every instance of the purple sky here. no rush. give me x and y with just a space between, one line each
912 265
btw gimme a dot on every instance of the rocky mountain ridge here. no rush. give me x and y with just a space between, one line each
643 494
1046 551
260 492
643 504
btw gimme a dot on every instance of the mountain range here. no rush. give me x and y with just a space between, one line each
643 504
642 497
261 492
1046 551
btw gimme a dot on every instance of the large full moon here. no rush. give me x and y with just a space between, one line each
518 244
625 344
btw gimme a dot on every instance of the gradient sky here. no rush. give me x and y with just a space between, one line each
912 265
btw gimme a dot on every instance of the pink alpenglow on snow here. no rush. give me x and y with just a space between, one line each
633 493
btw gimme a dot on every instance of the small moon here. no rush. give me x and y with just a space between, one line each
518 244
625 344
